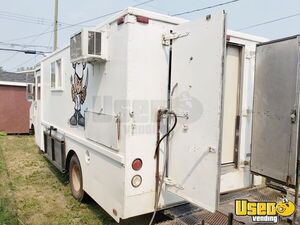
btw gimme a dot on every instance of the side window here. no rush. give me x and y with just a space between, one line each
56 75
59 73
53 75
38 84
39 93
30 92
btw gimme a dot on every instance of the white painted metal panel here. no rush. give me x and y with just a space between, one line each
197 79
274 132
136 70
102 129
231 96
37 109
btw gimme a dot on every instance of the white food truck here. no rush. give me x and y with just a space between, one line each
147 111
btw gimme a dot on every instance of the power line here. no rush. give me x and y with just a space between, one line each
23 63
154 7
207 7
9 58
34 22
68 26
268 22
79 23
143 3
49 42
23 20
105 15
16 53
23 45
28 19
17 15
28 51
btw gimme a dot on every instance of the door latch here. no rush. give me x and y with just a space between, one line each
293 116
170 182
172 36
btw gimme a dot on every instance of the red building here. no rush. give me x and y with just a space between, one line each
14 107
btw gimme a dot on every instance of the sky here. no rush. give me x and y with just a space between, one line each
20 19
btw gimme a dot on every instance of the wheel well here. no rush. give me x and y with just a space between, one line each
68 159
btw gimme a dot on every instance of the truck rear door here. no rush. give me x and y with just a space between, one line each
276 110
197 92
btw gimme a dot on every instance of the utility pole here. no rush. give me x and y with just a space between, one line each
55 25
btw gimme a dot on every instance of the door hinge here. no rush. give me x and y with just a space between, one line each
288 180
172 36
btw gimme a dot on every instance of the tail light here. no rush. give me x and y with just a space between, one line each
142 19
120 20
137 164
136 181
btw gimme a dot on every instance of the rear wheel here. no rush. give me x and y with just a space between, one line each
75 177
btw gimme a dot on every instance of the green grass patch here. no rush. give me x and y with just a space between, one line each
8 215
38 193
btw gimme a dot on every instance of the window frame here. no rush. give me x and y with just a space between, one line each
55 87
52 83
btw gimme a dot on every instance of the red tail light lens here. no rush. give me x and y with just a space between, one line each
121 20
137 164
142 19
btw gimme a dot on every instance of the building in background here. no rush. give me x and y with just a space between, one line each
14 107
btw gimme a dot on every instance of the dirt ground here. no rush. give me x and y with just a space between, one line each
33 192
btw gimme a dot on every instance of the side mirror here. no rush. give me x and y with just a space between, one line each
30 92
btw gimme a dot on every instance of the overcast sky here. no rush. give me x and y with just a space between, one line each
240 14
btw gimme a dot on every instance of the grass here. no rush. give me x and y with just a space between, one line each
7 207
33 192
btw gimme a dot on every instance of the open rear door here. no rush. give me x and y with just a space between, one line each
275 127
197 93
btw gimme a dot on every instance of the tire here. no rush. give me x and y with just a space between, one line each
31 130
75 178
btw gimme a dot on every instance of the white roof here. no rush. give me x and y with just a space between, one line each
141 12
163 18
247 37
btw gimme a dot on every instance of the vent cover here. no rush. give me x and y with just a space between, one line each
76 48
94 47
